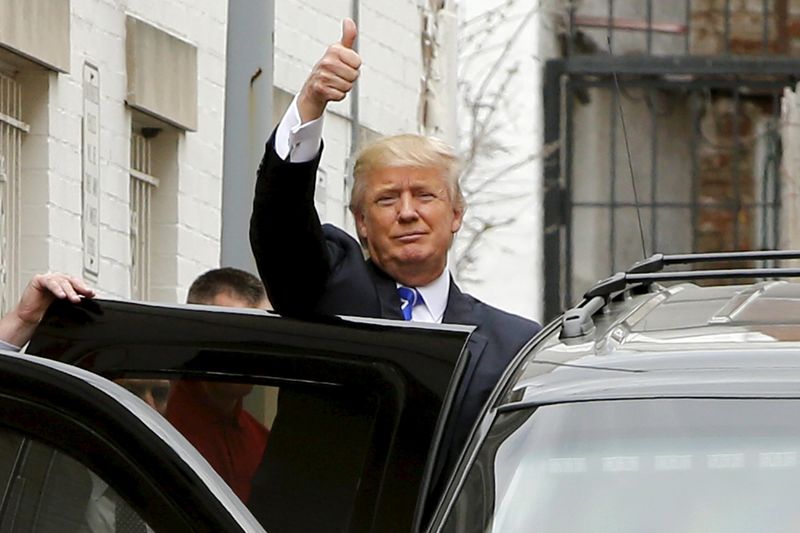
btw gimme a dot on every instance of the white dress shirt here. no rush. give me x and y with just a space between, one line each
434 300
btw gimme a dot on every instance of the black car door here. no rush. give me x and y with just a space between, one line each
327 425
80 454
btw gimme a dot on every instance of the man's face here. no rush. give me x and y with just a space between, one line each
230 299
153 391
408 220
223 391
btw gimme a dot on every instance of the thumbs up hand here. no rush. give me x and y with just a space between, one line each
332 77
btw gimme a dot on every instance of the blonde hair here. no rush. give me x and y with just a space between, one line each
406 150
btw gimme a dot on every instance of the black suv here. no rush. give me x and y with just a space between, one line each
646 408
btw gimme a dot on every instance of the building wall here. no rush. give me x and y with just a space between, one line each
501 99
187 221
186 205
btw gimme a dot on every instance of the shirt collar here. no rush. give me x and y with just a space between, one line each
435 294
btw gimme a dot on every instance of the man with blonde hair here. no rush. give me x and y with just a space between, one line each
407 207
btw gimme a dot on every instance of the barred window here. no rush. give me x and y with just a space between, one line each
143 183
12 130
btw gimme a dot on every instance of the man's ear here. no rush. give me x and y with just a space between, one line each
458 218
361 224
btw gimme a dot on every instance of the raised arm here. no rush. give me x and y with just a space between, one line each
285 231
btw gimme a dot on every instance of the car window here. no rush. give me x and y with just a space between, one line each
45 490
284 450
662 465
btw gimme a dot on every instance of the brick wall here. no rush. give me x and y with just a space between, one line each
750 30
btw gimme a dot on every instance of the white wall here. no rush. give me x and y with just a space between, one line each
507 270
52 167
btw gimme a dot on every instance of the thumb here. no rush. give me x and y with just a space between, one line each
349 33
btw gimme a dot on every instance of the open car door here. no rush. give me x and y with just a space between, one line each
334 423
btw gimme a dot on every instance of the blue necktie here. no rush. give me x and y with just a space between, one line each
408 299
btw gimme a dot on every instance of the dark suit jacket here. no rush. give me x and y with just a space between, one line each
308 267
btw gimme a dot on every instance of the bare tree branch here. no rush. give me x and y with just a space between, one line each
490 105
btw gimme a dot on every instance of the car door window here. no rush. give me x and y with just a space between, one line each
45 490
296 454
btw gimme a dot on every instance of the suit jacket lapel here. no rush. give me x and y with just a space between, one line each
460 310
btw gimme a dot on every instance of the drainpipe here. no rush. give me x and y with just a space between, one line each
354 115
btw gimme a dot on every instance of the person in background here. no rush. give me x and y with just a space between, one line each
210 414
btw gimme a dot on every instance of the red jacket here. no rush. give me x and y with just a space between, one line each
233 442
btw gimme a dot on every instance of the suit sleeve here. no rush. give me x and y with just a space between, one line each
286 235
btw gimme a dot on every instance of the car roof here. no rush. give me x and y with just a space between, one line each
681 340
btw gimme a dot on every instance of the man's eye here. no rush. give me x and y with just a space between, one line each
386 200
427 196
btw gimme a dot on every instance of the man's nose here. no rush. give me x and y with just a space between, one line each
408 208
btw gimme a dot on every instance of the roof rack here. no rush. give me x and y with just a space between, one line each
649 270
578 321
657 262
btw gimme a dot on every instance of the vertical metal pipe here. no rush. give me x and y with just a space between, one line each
688 21
694 118
148 228
612 238
248 120
776 193
651 95
737 186
555 192
763 203
610 29
727 26
355 124
649 27
569 105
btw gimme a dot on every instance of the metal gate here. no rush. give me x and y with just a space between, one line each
704 149
11 131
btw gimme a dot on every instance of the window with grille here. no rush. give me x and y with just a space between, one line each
143 183
12 130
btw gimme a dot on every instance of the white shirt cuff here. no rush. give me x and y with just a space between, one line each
297 141
8 346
